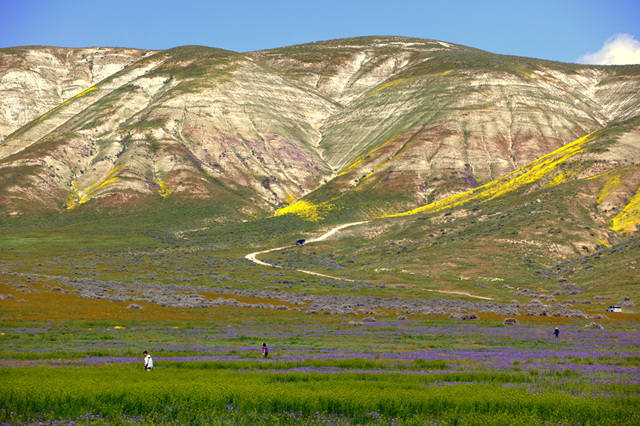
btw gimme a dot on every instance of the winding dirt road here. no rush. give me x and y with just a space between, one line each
252 257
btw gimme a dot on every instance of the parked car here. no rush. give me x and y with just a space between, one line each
614 308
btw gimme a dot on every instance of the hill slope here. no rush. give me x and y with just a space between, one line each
353 128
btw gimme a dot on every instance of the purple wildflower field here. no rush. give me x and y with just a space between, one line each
419 370
597 354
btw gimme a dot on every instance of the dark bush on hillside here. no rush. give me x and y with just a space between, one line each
570 289
544 274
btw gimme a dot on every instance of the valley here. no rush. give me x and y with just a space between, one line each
456 206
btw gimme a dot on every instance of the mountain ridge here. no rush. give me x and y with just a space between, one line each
374 125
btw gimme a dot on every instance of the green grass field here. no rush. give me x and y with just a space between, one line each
70 348
124 394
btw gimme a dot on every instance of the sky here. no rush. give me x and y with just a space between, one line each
583 31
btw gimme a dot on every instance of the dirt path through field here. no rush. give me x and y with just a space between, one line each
461 293
252 256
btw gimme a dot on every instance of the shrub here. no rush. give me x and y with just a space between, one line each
599 316
464 317
626 303
594 326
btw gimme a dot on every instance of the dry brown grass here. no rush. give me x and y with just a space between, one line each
57 307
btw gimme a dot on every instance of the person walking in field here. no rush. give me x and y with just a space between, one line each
556 332
265 351
148 361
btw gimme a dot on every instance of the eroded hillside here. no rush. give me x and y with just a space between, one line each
354 128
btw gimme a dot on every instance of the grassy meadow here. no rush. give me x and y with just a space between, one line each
82 296
320 370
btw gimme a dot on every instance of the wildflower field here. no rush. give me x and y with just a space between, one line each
320 370
80 302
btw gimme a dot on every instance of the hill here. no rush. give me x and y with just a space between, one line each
480 175
370 126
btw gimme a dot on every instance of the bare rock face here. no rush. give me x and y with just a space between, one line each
223 128
373 125
34 80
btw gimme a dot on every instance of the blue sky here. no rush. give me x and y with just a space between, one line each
561 30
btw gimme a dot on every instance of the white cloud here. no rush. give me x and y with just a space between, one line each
621 49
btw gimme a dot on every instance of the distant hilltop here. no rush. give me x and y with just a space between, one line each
361 127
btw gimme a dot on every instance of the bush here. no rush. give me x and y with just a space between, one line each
626 303
594 326
464 317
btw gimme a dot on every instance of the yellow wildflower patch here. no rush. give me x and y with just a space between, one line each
68 101
514 180
629 218
608 188
82 197
360 159
561 178
289 198
386 85
162 188
603 242
301 208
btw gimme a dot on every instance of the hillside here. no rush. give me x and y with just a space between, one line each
367 127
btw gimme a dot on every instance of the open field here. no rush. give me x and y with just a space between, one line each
83 365
82 297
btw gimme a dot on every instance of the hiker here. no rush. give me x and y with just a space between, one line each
148 361
265 351
556 332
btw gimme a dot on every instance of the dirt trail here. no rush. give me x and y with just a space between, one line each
252 257
461 293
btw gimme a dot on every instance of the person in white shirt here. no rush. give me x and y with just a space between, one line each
148 361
